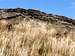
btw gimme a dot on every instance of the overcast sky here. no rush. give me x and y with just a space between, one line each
59 7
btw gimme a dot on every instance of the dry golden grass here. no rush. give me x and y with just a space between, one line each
31 38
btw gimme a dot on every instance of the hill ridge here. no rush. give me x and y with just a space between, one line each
10 13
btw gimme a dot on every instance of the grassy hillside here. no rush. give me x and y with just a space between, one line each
33 37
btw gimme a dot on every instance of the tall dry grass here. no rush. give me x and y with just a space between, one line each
36 38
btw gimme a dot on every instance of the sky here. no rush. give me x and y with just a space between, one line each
56 7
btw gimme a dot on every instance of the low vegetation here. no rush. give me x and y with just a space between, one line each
31 37
36 39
